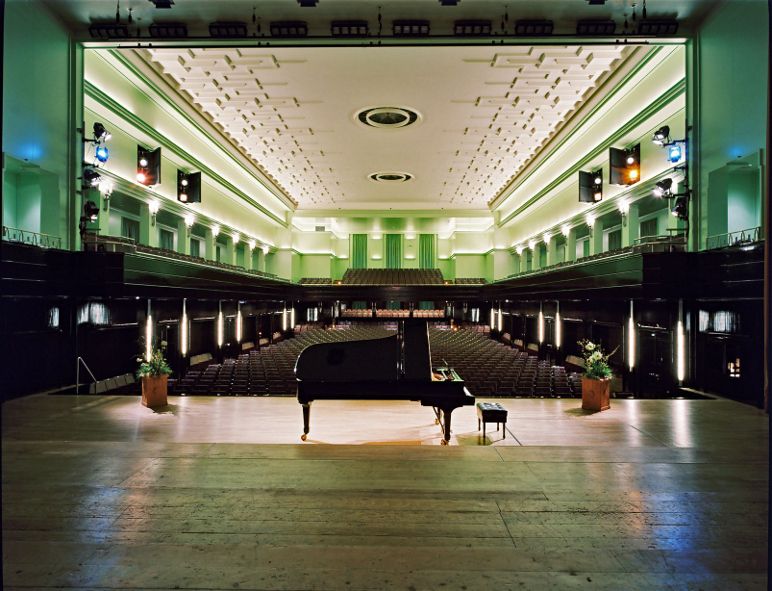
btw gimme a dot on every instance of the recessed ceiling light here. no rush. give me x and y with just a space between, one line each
387 117
390 177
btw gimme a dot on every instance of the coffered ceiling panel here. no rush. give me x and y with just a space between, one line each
459 123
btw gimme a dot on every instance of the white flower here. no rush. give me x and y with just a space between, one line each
596 356
589 346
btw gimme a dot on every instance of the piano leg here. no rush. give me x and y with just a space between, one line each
306 420
446 426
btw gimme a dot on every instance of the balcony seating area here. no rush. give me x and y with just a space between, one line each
393 277
488 367
315 281
470 281
386 313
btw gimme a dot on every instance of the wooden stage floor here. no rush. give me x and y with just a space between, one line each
219 493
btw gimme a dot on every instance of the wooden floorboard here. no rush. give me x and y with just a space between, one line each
219 493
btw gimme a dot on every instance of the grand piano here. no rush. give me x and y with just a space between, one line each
392 368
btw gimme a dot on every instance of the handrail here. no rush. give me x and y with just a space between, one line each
32 238
77 373
736 238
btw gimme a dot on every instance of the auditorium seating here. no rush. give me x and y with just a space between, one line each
393 277
470 281
315 281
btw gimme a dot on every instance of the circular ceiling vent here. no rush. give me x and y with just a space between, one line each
390 177
387 117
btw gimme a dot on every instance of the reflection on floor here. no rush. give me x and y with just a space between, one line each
219 493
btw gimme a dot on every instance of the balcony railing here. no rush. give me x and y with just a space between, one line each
738 238
31 238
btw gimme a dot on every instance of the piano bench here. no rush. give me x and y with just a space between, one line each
491 412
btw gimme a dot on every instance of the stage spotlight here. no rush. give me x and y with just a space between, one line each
681 208
102 153
91 177
663 188
100 133
90 211
661 136
674 153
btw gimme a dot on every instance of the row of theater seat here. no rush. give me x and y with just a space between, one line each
489 368
392 277
385 313
315 281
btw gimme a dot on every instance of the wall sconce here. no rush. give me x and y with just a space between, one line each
590 219
547 237
106 189
153 206
215 230
519 249
252 245
266 249
532 244
624 209
236 238
565 229
190 219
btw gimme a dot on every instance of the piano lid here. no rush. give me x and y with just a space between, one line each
350 361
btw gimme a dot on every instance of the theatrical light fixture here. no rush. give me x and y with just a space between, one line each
663 188
625 165
228 29
661 136
168 30
108 31
188 186
90 211
681 208
102 153
148 166
91 177
595 27
674 152
100 133
349 28
410 28
472 28
590 186
162 3
534 28
289 29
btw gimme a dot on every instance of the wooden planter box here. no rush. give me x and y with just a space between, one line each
595 394
154 390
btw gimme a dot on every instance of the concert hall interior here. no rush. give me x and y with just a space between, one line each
332 226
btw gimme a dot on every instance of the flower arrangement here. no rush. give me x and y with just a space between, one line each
596 365
156 365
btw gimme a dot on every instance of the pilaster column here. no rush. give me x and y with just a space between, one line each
148 231
596 238
183 237
209 250
630 226
571 245
552 251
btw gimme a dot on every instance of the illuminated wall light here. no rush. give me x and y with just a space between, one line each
547 237
624 206
153 206
532 244
215 230
252 244
236 238
284 320
184 329
148 334
377 236
565 229
590 219
292 317
410 236
680 346
558 330
266 249
519 249
541 326
500 320
493 319
220 328
106 187
631 339
190 219
238 323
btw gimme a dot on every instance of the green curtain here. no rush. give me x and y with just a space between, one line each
393 251
426 251
359 251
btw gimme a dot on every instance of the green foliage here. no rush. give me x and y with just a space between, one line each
596 364
156 365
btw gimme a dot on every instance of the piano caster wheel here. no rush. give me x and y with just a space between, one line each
436 421
303 437
443 442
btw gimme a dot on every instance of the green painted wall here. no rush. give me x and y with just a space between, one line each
36 120
471 265
315 265
732 54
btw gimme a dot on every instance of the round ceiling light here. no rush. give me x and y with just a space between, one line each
390 177
387 117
